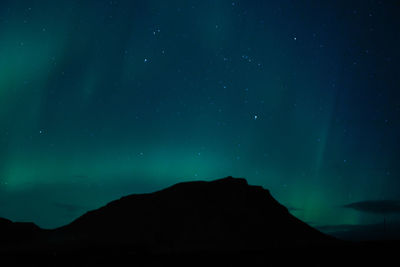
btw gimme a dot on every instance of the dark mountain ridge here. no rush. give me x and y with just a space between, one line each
16 232
224 214
193 223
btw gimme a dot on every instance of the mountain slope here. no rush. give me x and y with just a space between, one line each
17 232
224 222
226 214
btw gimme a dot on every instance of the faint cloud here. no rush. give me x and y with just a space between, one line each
341 227
81 176
71 208
291 208
358 232
376 206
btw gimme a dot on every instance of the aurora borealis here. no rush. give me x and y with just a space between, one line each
100 99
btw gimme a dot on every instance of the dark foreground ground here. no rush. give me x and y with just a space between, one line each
225 222
348 254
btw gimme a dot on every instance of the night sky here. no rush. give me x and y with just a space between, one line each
100 99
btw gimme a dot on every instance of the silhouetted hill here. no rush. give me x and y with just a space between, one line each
17 232
223 222
223 215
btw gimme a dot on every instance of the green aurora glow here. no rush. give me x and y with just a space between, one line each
100 99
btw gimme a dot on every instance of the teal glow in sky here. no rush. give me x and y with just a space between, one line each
100 99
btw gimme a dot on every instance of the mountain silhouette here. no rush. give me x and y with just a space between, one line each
228 219
225 214
17 232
